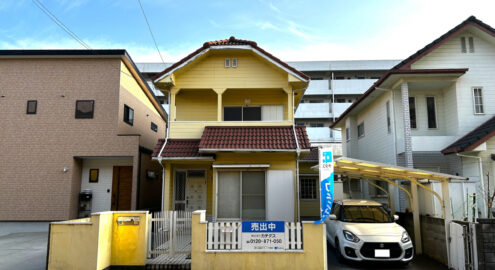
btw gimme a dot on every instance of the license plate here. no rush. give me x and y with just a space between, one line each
382 253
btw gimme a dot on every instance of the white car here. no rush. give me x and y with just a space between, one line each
362 230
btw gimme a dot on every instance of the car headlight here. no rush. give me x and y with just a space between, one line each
350 236
405 237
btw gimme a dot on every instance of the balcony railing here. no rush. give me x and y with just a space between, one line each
323 134
351 87
318 87
313 110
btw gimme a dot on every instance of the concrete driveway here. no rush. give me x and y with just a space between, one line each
23 245
418 263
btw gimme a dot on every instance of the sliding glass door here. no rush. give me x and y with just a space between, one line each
241 194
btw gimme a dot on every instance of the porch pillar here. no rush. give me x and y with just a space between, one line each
447 215
408 160
407 125
391 196
416 221
219 92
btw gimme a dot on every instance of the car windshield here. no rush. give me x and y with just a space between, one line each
365 214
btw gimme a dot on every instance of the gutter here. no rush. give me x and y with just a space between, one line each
298 153
160 158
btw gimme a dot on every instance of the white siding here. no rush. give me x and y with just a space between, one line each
481 66
377 143
101 198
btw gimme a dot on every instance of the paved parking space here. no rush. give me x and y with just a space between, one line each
23 246
418 263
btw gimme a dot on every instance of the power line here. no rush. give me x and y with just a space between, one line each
151 32
60 24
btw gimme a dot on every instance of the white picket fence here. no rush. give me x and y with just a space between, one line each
170 233
228 236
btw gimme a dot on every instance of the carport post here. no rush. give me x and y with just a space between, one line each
447 215
417 225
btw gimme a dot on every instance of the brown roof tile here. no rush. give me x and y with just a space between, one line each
257 137
231 41
312 155
158 147
179 148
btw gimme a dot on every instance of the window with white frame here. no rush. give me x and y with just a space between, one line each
389 123
478 100
241 194
463 45
360 130
234 62
412 112
347 135
227 62
431 112
253 113
308 187
471 44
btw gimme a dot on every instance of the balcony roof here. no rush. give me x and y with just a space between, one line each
472 139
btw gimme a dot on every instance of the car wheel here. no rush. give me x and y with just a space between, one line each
338 254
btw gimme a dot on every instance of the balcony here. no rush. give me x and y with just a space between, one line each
318 87
351 87
313 110
339 108
322 134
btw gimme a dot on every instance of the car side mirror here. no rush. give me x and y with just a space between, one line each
396 217
332 217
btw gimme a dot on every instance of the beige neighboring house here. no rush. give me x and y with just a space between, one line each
73 120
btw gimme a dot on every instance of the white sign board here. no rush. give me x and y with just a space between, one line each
263 235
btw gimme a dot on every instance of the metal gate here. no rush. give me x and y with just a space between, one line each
170 233
463 246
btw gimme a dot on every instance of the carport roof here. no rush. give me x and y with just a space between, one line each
363 168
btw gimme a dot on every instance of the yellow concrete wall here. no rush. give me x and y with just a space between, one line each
313 256
98 242
129 241
196 105
73 245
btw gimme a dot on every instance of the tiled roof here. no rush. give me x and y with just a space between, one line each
473 139
233 42
158 147
312 155
178 148
258 137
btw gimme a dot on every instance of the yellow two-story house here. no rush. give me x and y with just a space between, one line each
232 146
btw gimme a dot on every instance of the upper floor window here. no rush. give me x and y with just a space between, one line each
128 115
234 62
431 111
389 123
360 130
470 42
85 108
412 111
478 100
154 127
347 135
253 113
31 106
316 124
227 62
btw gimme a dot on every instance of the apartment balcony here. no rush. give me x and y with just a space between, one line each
313 110
323 134
318 87
320 110
339 108
351 87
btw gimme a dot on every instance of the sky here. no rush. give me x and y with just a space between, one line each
292 30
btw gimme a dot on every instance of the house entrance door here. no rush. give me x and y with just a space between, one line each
195 194
121 188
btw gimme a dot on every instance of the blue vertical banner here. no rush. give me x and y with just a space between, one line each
326 172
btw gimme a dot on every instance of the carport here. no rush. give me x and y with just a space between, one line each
367 170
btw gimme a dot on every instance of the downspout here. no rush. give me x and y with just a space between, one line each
161 150
482 182
298 153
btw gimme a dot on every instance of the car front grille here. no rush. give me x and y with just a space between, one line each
368 249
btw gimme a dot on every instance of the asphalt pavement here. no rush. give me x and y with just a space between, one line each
23 245
418 263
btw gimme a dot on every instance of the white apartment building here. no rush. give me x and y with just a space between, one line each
433 111
334 86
